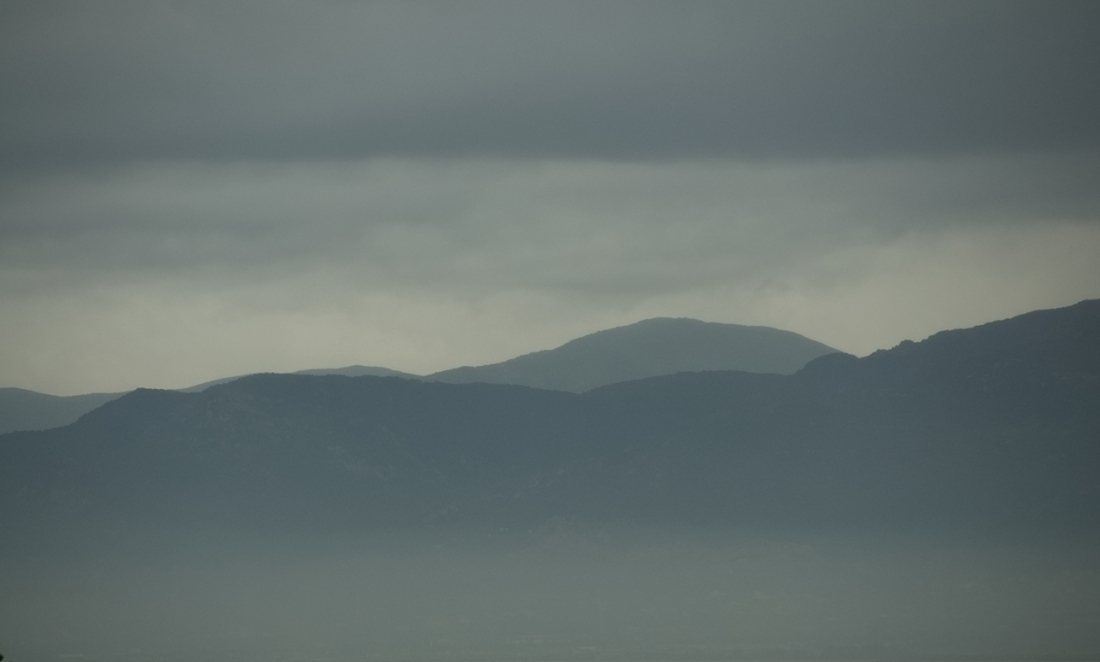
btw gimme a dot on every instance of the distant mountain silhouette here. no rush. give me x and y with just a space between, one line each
645 349
659 346
21 409
993 427
348 371
359 371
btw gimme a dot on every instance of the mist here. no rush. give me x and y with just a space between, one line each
566 590
193 190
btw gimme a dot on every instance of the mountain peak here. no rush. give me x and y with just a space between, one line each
650 347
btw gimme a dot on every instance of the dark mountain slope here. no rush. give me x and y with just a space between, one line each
659 346
290 450
991 428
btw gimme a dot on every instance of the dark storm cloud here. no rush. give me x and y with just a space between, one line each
109 81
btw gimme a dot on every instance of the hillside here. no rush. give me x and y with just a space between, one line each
648 348
659 346
347 371
21 409
988 427
937 500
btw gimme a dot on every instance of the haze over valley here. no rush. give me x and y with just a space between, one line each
507 330
709 514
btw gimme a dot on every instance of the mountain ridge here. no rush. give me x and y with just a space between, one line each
604 366
650 347
1006 439
903 507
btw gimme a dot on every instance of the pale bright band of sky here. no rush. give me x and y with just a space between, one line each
166 276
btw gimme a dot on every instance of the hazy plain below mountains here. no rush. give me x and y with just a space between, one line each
645 349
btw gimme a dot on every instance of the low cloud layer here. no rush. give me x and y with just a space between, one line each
190 190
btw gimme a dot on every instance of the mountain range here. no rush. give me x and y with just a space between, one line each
936 500
21 409
993 427
653 347
644 349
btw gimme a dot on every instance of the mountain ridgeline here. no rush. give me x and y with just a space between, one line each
993 427
645 349
653 347
938 500
21 409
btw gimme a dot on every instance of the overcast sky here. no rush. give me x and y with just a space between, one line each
190 190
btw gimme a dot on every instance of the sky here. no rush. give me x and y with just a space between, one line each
192 190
